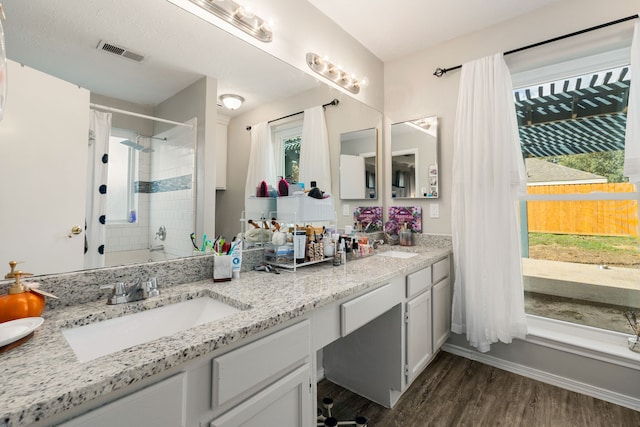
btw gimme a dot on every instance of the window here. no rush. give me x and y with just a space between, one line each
286 140
122 176
580 219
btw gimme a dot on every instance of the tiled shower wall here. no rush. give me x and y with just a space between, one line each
172 192
165 196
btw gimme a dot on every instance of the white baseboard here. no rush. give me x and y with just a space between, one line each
546 377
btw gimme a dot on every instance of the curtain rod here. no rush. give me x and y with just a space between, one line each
334 101
130 113
442 71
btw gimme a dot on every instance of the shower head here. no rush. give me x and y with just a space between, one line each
136 146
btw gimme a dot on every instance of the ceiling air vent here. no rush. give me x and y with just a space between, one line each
119 51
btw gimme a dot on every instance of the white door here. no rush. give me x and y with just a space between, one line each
43 162
441 312
419 335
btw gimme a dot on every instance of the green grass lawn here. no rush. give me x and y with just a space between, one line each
624 244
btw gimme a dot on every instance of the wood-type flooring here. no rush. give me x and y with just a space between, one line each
455 391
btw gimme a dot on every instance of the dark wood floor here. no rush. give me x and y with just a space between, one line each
454 391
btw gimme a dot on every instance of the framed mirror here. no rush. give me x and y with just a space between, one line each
414 159
166 85
358 160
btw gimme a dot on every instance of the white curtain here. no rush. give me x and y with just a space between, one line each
315 164
261 159
3 72
632 143
488 178
96 204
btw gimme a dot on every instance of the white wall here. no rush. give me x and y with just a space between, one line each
412 92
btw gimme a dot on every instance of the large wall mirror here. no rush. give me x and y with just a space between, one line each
414 159
358 160
43 35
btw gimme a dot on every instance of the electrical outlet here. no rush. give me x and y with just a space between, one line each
434 210
346 210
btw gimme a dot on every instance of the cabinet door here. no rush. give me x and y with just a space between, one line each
161 404
419 335
441 312
285 403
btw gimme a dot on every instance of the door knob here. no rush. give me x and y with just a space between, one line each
76 229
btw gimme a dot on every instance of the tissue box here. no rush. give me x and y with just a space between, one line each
222 268
305 209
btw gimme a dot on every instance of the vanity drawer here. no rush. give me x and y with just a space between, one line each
361 310
252 367
418 282
440 270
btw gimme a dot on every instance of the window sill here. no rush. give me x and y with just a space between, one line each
600 344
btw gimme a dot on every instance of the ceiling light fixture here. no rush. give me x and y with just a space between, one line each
231 101
231 12
332 72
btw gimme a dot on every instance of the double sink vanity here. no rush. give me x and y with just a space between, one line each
225 354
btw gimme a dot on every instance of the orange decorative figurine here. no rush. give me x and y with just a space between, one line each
21 301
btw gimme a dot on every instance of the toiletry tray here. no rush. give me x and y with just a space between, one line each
304 209
278 254
293 265
260 207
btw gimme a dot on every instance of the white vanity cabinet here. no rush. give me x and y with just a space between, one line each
286 403
368 358
418 318
441 295
159 405
428 315
391 334
266 382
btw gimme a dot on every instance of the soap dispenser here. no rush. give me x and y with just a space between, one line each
21 301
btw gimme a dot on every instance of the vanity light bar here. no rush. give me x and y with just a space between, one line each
237 15
332 72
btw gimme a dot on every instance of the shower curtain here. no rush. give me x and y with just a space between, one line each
632 136
315 162
261 160
96 204
488 178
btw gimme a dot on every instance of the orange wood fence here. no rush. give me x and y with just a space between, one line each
587 217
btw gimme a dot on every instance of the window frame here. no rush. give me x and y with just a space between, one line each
280 133
546 330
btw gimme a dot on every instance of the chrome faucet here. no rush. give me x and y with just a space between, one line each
135 292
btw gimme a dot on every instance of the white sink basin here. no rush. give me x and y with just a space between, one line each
398 254
99 339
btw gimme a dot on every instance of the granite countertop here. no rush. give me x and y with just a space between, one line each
43 377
